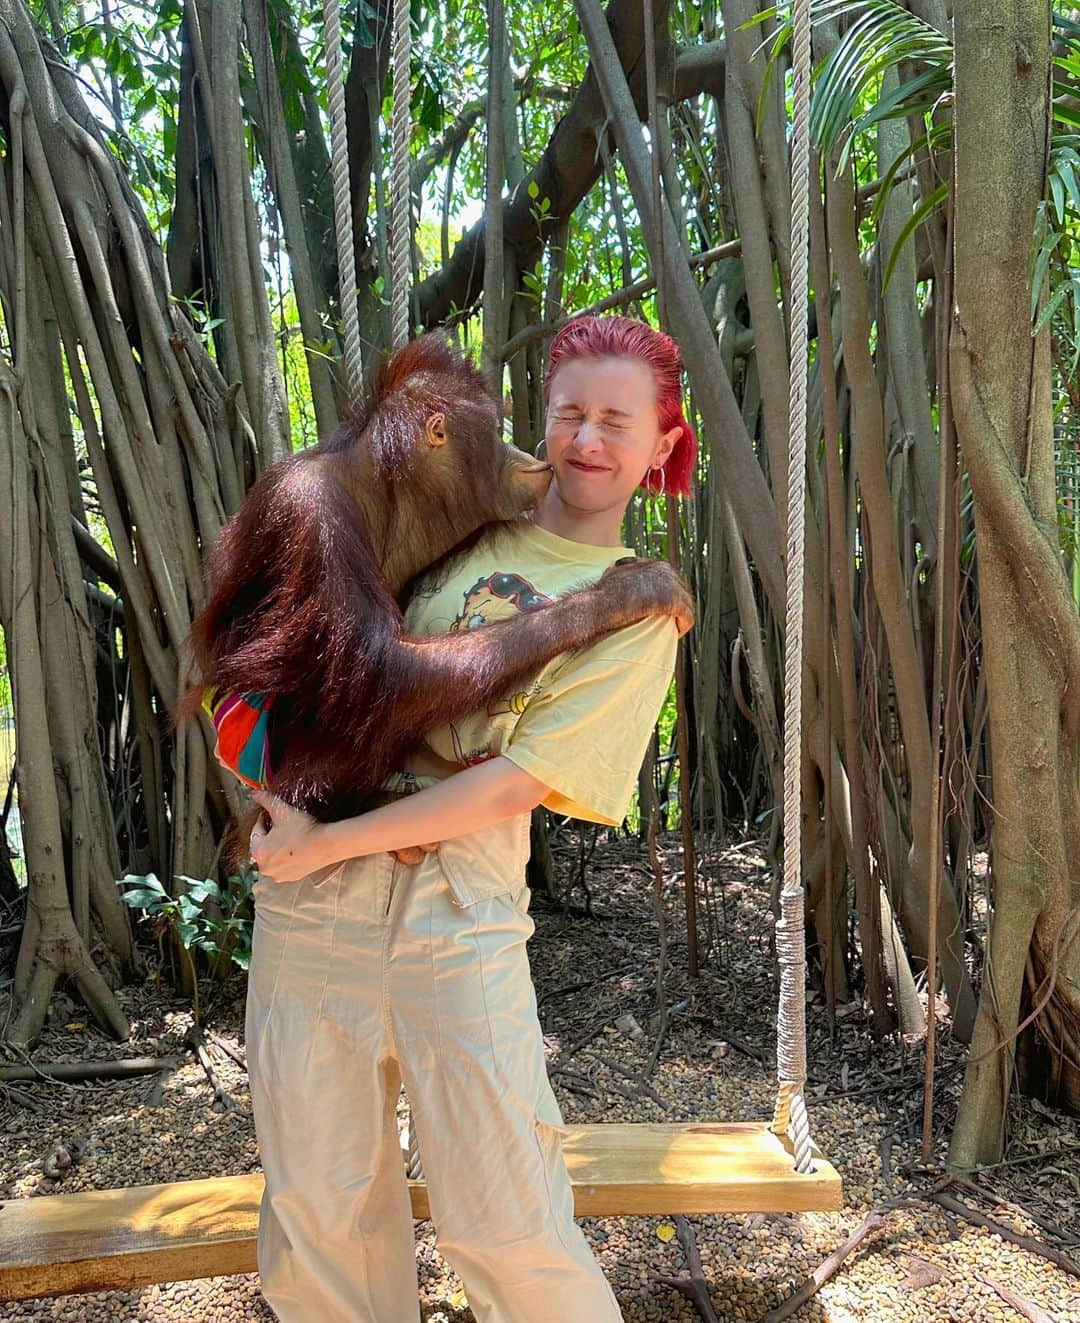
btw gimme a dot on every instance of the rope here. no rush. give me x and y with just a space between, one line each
400 182
400 272
343 228
413 1169
400 238
790 1114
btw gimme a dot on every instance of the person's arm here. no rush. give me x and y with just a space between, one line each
468 801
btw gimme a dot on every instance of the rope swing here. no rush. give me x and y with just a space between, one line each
726 1166
400 235
343 226
400 182
790 1114
400 189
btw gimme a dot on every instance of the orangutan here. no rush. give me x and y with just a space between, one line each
306 581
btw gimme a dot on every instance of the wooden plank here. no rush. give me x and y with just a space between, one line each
103 1240
114 1239
705 1167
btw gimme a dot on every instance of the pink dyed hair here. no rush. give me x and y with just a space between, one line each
624 337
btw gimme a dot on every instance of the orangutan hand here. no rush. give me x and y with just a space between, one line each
414 854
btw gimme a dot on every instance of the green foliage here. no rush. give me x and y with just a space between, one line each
206 917
848 102
665 771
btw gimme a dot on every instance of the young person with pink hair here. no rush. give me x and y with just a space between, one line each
367 971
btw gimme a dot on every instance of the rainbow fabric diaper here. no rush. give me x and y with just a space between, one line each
242 722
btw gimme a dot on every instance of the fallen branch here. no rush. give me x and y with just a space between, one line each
1039 1247
694 1287
872 1222
1032 1312
575 1082
755 1054
222 1097
1002 1204
67 1071
225 1046
21 1099
548 993
634 1077
584 1041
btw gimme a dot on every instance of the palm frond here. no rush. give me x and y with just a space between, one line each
921 213
937 134
883 37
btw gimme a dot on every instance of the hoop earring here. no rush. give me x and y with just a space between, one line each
536 452
663 480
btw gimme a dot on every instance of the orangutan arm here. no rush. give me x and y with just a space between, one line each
449 676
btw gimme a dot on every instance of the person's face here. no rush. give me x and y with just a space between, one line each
602 431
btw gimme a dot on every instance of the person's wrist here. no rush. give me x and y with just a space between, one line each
328 840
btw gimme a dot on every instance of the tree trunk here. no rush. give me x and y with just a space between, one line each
1002 405
167 452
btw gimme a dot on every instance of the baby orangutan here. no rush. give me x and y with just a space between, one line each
305 580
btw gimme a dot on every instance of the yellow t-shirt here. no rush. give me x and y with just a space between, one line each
581 725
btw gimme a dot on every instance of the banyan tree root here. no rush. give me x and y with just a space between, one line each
87 1070
1059 1257
694 1287
828 1268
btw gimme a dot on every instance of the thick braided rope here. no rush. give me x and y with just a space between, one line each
413 1168
343 227
343 232
790 1114
400 273
400 183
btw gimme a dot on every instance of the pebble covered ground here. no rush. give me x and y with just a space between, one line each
865 1108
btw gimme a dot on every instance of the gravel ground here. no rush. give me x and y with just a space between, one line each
865 1109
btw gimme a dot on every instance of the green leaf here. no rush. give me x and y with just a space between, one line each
883 37
1057 192
148 880
1042 261
920 214
141 898
1052 305
199 888
189 910
889 177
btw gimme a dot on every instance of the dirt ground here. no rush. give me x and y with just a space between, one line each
924 1263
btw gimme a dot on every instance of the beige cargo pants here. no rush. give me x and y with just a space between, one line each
371 972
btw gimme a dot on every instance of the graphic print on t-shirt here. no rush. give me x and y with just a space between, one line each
487 599
497 587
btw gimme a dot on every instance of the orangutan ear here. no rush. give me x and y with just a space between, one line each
435 430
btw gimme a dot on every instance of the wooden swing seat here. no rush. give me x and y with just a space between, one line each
118 1239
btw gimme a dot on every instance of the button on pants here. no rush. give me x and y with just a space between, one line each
370 973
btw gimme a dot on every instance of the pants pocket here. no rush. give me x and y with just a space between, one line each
486 863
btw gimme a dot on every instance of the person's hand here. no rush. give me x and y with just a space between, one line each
292 846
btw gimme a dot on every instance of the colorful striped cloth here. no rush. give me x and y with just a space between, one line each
242 722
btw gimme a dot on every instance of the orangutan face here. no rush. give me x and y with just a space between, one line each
483 479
